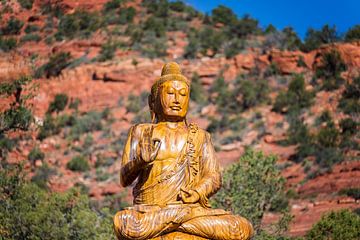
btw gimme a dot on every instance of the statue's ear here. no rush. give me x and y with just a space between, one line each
151 102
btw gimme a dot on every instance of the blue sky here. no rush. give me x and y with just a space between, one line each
299 14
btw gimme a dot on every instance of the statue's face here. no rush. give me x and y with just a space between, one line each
174 100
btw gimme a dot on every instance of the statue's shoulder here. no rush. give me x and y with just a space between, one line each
137 129
195 127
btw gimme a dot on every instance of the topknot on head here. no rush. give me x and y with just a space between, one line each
170 72
170 68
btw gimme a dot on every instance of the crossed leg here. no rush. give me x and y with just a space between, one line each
223 227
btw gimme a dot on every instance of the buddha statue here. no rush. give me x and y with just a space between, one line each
174 171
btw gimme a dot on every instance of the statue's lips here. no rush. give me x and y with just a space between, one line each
175 108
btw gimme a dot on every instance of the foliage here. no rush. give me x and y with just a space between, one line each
295 98
251 91
330 70
89 122
78 163
7 44
233 47
107 51
36 154
30 38
177 6
42 175
342 224
59 103
136 103
250 186
31 28
350 102
224 15
27 4
314 38
12 27
78 24
6 145
48 128
197 93
18 116
353 33
29 212
112 4
351 192
158 8
244 27
54 67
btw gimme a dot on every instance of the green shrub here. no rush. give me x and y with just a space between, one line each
158 8
244 27
74 103
350 101
177 6
224 15
234 47
328 136
315 38
250 186
126 15
54 67
48 128
342 224
296 97
210 39
30 38
112 5
78 164
192 47
89 122
12 27
136 103
7 44
27 4
107 51
42 176
79 24
6 145
252 91
197 93
348 127
36 154
30 212
351 192
353 33
59 103
156 25
17 117
330 70
31 28
102 175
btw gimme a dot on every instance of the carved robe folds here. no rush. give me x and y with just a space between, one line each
158 212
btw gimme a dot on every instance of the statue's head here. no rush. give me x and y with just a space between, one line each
169 99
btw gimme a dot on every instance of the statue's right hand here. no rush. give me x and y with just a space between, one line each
149 147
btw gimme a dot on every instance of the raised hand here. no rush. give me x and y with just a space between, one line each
149 147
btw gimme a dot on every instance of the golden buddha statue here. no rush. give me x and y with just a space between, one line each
175 170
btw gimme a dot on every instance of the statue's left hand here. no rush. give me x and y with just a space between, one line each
189 196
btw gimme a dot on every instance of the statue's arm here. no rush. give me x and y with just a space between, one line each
210 181
130 162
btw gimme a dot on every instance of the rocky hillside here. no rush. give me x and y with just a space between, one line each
93 63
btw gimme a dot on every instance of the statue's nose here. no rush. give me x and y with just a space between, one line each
176 100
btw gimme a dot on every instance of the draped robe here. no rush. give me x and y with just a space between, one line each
157 208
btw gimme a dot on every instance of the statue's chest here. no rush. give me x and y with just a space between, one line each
172 142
